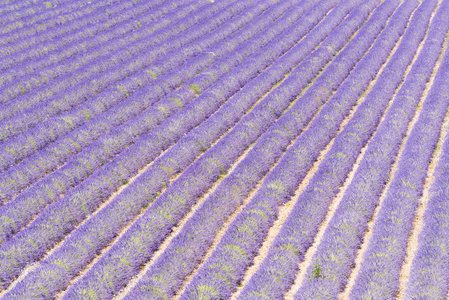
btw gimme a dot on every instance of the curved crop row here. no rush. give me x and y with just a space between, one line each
181 256
224 149
39 30
107 180
347 227
91 87
39 9
147 79
113 143
147 41
379 272
279 185
111 101
429 276
125 135
175 160
9 5
110 24
279 268
157 221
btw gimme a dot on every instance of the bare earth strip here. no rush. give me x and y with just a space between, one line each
100 208
335 203
222 231
278 223
32 267
283 213
285 210
412 246
369 231
176 230
174 177
333 207
220 235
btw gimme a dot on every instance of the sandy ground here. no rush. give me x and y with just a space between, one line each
219 235
418 223
368 234
284 211
178 228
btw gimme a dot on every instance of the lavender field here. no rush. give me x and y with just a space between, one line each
224 149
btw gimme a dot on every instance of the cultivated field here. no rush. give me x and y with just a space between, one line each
227 149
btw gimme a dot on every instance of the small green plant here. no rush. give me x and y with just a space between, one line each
317 272
125 182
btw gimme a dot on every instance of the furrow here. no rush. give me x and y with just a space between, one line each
368 233
395 219
412 244
72 89
32 63
327 272
100 160
178 228
214 269
208 101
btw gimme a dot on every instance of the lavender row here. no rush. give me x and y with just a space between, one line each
278 270
166 275
39 26
331 265
102 49
92 86
86 82
13 181
9 5
158 175
83 165
194 182
111 176
148 116
302 106
122 137
116 26
429 276
39 9
379 272
76 37
44 37
141 78
222 275
37 23
46 160
322 281
13 25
